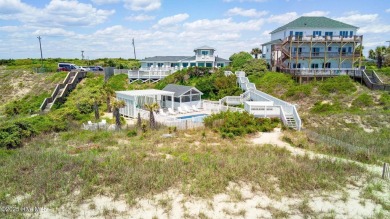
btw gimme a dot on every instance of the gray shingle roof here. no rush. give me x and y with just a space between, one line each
179 89
221 60
272 42
314 22
204 47
165 58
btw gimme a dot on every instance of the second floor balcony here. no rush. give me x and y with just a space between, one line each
311 38
324 54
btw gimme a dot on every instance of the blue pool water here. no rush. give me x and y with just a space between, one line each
192 116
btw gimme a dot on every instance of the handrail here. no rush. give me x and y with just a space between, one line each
285 107
66 85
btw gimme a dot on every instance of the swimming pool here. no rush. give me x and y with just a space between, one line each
200 116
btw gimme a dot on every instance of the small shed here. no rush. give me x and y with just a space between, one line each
183 96
136 99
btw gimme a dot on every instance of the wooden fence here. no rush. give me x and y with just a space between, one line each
332 141
386 171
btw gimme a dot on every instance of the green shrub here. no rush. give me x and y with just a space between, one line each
132 133
338 85
363 100
299 91
231 124
238 60
320 107
385 100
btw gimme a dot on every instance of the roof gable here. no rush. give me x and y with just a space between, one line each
165 58
314 22
204 47
179 89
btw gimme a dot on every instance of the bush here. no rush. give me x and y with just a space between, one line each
132 133
13 132
239 59
320 107
338 85
230 124
363 100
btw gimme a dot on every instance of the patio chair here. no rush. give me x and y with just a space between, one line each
195 108
187 109
180 110
161 111
170 111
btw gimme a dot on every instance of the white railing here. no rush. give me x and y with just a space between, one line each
285 107
324 72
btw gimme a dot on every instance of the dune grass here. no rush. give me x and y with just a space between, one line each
59 168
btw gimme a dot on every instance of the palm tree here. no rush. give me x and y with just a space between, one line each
116 105
108 92
380 54
96 109
256 51
151 108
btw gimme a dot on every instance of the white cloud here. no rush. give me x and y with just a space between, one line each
388 10
9 28
357 19
142 5
316 13
104 2
173 19
223 25
245 13
53 32
57 13
375 28
245 0
140 17
283 18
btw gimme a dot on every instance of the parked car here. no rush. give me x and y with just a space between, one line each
67 67
96 68
62 69
84 68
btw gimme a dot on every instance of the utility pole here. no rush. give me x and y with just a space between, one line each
135 56
40 47
82 54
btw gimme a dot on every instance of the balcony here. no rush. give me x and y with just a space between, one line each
324 54
311 38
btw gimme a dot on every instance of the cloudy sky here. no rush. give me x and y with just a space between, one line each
105 28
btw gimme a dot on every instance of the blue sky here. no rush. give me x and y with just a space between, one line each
104 28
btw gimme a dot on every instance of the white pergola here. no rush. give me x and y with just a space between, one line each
136 99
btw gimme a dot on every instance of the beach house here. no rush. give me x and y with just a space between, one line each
155 68
312 43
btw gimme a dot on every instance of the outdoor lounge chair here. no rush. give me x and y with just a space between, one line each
161 111
170 111
187 109
180 110
195 108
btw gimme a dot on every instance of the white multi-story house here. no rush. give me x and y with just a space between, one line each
313 43
158 67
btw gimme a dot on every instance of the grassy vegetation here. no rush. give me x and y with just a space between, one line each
230 124
214 86
53 167
51 64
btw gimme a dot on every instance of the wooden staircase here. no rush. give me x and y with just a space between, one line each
372 81
62 90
